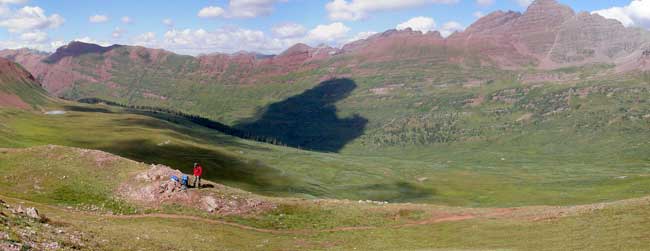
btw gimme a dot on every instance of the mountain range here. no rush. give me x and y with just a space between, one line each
548 35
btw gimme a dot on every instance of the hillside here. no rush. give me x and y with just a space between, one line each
89 212
18 88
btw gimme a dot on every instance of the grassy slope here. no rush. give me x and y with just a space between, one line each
621 225
619 228
28 91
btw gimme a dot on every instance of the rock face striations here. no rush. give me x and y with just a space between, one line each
548 35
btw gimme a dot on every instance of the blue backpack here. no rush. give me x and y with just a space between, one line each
185 180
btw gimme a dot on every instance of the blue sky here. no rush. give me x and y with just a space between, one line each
268 26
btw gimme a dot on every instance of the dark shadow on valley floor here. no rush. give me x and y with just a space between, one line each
251 175
308 120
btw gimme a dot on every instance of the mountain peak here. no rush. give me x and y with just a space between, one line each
77 48
544 2
296 49
549 6
300 46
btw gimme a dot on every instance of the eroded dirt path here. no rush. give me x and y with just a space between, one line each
524 213
429 221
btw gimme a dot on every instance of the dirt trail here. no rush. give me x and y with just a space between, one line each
430 221
525 213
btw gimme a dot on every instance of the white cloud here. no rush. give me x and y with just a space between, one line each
211 12
46 46
98 19
233 39
362 35
251 8
478 14
422 24
4 11
90 40
189 41
118 32
450 27
30 18
168 22
56 44
28 26
333 32
426 24
240 9
637 13
485 2
34 37
289 30
147 39
13 1
351 10
524 3
127 20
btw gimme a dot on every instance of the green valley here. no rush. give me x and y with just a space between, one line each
521 131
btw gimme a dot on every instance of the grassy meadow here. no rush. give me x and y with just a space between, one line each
299 224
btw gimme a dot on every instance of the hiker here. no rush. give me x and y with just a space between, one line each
198 171
185 182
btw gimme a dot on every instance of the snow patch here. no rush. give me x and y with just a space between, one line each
57 112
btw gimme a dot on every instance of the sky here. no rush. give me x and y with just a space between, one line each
195 27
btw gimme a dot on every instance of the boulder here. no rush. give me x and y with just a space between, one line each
33 213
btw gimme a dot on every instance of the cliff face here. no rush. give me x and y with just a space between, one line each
550 35
535 31
587 38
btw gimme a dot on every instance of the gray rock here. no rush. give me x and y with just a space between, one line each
32 213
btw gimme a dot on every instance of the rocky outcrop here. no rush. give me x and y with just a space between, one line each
26 229
154 188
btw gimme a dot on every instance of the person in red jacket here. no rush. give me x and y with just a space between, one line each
198 171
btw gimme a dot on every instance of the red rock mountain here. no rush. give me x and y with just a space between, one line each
547 35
